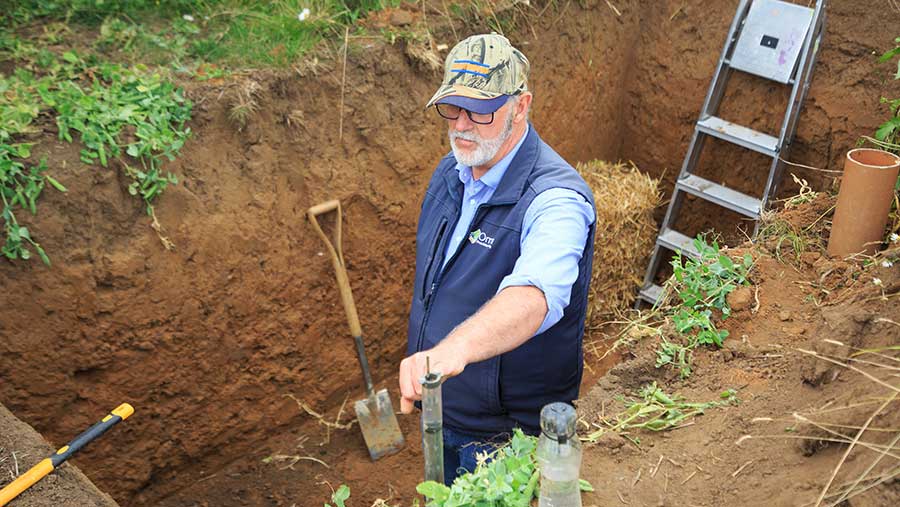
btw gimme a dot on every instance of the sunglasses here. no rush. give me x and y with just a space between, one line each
451 112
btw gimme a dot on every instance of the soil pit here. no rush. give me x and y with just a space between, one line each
208 341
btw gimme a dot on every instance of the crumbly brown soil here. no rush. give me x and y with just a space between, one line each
208 340
767 360
21 448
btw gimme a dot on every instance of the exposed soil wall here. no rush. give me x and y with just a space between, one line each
205 341
679 47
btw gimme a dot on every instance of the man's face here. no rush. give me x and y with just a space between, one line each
476 145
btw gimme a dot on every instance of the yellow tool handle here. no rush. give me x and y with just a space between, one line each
47 465
25 481
337 259
325 207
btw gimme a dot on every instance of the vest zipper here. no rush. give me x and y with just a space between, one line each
429 264
429 290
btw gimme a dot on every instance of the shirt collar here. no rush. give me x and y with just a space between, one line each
495 174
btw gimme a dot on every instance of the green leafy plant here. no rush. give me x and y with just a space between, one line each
676 354
887 136
21 188
508 480
654 410
702 286
109 107
121 97
21 183
340 496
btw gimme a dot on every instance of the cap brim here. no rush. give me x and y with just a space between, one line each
481 106
479 98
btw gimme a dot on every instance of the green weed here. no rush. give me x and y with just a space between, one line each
654 410
21 183
20 188
340 496
887 136
97 103
94 12
676 354
784 238
702 286
118 97
508 480
183 34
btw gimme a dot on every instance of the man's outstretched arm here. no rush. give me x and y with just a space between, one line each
529 300
508 320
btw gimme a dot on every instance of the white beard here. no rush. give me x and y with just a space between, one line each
485 149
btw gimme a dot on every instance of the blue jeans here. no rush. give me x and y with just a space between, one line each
460 449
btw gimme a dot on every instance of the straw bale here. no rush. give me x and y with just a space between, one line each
625 199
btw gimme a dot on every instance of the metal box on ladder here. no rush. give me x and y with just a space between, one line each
772 39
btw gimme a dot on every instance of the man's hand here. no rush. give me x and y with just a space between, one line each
505 322
442 358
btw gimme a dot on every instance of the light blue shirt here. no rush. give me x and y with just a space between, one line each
554 230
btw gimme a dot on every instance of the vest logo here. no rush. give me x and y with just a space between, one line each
479 238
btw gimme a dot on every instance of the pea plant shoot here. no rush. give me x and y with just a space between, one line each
702 286
654 410
509 479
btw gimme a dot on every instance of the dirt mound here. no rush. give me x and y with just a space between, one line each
21 448
207 340
805 388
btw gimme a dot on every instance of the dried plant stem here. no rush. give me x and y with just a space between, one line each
831 425
306 408
794 164
857 370
863 475
878 480
870 446
854 442
343 86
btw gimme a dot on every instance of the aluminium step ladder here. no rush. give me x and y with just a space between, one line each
772 39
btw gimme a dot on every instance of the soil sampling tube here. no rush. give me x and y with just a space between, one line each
432 427
864 201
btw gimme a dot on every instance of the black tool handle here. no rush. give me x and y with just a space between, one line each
364 365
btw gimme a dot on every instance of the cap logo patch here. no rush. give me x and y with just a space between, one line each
470 67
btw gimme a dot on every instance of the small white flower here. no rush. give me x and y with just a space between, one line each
877 281
188 17
886 263
303 14
895 237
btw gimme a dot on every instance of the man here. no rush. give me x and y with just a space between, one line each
503 260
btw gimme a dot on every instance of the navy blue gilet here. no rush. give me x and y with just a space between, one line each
507 391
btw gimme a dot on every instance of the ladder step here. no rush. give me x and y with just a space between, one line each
677 242
723 196
742 136
651 293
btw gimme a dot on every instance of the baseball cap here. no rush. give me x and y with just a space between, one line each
481 73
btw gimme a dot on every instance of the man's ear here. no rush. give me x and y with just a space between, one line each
523 105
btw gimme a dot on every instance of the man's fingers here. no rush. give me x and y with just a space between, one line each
412 369
409 383
406 406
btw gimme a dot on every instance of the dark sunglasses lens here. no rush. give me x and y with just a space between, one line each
481 119
452 112
448 111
